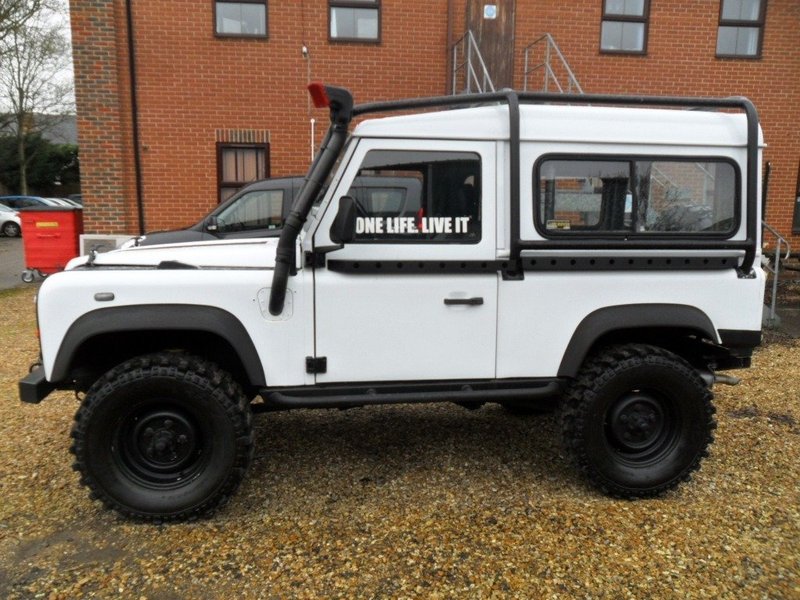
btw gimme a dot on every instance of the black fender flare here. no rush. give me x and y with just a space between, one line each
182 317
631 316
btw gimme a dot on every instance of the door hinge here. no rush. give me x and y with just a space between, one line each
316 365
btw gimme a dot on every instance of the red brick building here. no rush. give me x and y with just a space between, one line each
220 86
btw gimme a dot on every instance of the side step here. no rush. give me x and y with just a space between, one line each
364 395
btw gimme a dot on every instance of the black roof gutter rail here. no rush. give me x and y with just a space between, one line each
342 111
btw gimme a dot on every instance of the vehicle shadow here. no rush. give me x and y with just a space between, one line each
331 455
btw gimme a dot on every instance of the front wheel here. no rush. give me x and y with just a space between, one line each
163 437
638 420
11 229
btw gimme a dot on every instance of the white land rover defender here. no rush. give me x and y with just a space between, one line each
602 250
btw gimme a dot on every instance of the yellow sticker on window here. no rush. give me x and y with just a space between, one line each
558 224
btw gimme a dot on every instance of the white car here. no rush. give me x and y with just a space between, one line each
577 248
10 223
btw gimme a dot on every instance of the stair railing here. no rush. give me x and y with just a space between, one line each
775 269
469 67
545 50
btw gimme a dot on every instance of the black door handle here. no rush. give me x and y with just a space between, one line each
467 301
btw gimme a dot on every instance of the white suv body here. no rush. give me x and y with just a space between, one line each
547 239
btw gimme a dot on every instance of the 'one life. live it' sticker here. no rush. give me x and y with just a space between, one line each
411 225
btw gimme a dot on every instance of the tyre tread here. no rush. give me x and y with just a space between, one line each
180 366
598 370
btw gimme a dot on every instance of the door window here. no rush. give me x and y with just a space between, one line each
261 209
411 196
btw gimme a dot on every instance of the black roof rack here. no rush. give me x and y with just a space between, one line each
342 111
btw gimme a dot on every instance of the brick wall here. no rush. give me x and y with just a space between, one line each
192 84
101 92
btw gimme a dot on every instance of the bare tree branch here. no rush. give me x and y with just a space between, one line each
34 57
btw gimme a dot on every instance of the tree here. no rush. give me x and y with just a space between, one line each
52 168
34 57
15 13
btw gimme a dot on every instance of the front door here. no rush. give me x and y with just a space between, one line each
413 296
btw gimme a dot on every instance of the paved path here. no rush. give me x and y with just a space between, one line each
11 262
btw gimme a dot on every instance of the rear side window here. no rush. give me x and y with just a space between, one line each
635 196
259 209
405 196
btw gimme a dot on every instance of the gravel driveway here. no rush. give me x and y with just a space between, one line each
413 502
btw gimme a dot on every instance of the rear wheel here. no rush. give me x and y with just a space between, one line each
638 420
163 437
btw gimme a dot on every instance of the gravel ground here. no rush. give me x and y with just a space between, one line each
413 502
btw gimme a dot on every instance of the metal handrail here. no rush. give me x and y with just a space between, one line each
780 240
550 49
471 54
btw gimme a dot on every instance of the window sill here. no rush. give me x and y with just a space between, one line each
624 52
359 41
240 36
738 56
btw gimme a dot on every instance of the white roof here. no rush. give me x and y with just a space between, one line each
569 124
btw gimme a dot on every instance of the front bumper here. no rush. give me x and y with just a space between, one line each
34 387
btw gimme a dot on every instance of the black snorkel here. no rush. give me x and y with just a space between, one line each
340 102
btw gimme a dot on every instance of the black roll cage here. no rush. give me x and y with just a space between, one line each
342 112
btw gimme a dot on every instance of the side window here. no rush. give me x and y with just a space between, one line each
687 197
579 196
404 196
261 209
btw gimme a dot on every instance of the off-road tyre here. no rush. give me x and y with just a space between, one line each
637 420
163 437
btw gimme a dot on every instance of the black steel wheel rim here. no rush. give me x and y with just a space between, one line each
160 446
641 426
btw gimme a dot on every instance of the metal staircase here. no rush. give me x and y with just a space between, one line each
545 69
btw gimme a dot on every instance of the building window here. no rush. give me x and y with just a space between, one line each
354 20
624 26
245 18
240 164
741 25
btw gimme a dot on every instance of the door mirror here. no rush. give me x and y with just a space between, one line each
344 226
212 224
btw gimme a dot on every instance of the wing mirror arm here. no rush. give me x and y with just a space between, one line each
212 223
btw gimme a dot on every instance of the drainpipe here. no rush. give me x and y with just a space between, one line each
447 63
137 159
